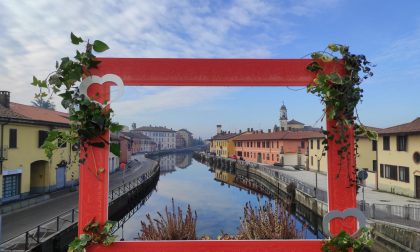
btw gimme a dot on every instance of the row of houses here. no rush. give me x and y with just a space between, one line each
393 159
25 170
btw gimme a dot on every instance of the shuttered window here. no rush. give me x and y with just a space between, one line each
42 135
404 174
13 138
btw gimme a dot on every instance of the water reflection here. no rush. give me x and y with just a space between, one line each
218 196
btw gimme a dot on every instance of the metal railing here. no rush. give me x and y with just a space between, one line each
301 186
40 233
126 187
43 231
408 215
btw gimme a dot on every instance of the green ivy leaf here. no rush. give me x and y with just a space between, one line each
99 46
74 39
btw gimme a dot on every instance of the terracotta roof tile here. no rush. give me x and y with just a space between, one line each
224 136
281 135
39 114
411 127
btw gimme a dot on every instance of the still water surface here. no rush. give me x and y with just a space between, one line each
219 205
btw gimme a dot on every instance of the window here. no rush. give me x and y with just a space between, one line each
302 144
268 156
416 157
11 185
263 144
277 157
247 143
317 144
13 138
312 160
401 143
386 142
267 144
374 145
312 144
277 144
374 165
42 135
404 174
258 144
390 172
382 171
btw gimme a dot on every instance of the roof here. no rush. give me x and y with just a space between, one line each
411 127
186 131
293 121
133 134
153 128
30 114
281 135
224 136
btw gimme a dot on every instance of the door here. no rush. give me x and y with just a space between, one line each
417 185
60 177
259 158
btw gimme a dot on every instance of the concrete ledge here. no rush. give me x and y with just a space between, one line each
23 203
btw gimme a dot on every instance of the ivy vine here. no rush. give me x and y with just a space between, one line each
341 93
89 119
94 233
343 242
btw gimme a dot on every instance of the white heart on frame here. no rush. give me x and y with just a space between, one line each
349 212
93 79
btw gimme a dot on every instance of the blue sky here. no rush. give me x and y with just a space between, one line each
33 34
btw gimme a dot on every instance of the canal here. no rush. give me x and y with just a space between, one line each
218 203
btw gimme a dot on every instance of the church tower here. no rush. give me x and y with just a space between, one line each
283 118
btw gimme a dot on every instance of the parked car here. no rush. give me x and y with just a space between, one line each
278 164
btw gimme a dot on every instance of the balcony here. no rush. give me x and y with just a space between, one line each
3 152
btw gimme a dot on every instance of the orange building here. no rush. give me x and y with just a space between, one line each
284 147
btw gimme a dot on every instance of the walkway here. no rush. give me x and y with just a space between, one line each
371 196
18 222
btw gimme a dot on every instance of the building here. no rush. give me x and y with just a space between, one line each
291 125
366 157
162 136
184 139
222 144
140 143
367 154
24 167
317 157
114 153
283 147
399 159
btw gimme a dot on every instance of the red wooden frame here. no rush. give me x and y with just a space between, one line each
93 192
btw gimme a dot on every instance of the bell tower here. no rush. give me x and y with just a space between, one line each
283 118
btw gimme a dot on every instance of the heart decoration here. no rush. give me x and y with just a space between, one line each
93 79
349 212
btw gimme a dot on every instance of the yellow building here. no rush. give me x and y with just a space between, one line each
366 158
399 159
316 160
24 167
222 144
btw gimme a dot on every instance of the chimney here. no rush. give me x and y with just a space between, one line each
252 129
240 131
262 131
247 129
219 129
269 130
5 99
229 132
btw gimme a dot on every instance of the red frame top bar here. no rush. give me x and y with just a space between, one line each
208 72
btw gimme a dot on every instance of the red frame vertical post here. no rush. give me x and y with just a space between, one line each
93 175
211 72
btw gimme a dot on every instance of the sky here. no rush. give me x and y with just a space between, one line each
34 34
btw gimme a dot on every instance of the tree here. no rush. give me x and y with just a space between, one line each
41 103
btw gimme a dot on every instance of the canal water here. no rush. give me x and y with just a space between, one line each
218 204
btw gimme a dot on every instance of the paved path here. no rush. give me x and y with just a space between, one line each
371 195
20 221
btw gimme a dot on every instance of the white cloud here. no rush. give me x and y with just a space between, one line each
34 34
